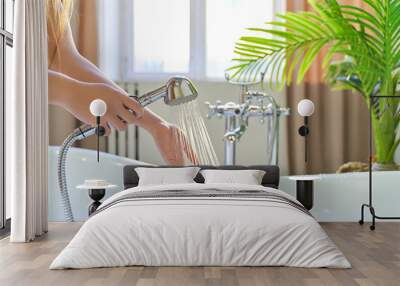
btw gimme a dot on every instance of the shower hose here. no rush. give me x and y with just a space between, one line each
78 134
87 130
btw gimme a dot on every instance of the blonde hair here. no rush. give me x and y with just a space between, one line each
58 17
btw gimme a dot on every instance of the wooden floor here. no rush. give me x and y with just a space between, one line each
375 257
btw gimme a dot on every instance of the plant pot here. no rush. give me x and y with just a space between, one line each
384 167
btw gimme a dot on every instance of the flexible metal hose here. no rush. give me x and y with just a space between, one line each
78 134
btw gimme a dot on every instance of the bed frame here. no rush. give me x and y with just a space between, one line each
270 179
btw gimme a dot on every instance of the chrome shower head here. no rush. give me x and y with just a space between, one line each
176 91
180 90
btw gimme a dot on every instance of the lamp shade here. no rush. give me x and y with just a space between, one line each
98 107
305 107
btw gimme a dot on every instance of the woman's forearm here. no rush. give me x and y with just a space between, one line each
70 62
59 85
76 66
89 73
81 68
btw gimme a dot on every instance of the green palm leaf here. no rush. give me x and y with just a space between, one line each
367 39
371 38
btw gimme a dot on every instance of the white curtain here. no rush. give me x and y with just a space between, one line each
27 124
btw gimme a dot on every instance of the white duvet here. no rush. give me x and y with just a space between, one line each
193 231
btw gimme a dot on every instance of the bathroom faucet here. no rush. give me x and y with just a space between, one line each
253 104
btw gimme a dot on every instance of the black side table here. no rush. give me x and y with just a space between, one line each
96 195
97 191
305 190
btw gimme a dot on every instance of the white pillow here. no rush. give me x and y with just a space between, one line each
248 177
166 176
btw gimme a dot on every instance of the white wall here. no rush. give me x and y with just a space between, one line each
251 148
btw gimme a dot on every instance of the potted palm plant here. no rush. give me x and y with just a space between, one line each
367 42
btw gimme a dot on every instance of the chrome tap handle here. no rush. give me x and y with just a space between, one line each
283 111
214 109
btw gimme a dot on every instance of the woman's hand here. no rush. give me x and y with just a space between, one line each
173 145
74 83
121 109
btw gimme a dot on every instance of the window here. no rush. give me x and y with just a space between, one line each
6 43
161 34
153 39
226 22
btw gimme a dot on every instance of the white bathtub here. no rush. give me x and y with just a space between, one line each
82 164
338 197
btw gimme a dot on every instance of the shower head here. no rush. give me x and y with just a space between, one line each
176 91
180 90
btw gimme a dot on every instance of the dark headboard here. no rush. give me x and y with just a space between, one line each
270 179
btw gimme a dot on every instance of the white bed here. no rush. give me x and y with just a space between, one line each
200 231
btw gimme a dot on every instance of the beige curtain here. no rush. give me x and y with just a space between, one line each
27 130
339 126
84 28
87 42
87 30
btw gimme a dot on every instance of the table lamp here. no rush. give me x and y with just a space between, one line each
305 108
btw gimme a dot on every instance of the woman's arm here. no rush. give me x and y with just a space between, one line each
61 87
72 74
68 61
